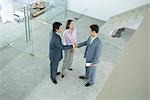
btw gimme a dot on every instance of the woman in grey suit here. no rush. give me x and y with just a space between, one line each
92 55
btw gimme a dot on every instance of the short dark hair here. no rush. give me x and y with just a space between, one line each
56 25
68 23
94 27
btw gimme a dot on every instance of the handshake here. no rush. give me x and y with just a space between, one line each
75 45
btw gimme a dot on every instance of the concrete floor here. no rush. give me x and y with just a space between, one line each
26 77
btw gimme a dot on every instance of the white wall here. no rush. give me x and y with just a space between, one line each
103 9
129 78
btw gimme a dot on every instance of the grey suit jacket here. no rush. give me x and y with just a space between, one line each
56 47
92 51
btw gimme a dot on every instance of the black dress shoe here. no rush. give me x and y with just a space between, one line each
70 69
82 77
88 84
54 81
62 76
57 73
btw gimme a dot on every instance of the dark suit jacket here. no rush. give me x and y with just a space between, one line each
93 50
56 47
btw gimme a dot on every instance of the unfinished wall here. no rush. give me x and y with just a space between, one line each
129 78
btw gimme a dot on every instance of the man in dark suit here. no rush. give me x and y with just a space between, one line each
55 50
92 54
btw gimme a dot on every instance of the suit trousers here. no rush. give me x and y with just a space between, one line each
90 74
53 69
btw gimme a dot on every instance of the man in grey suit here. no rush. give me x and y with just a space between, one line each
55 50
92 54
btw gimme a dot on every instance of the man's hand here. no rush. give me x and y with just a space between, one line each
93 65
73 46
76 45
